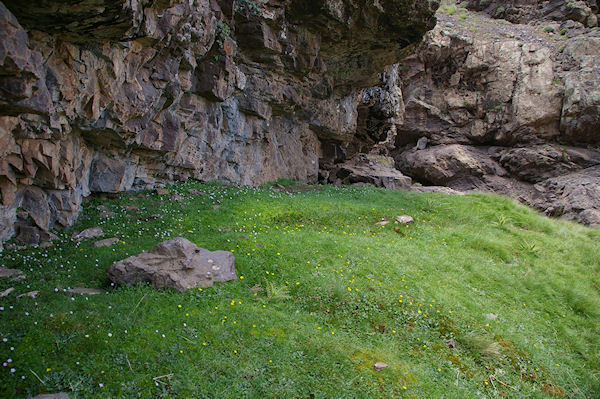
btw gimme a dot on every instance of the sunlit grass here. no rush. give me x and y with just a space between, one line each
325 294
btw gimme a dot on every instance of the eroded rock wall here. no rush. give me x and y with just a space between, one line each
509 108
126 94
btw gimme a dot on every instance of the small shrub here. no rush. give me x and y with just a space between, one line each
549 29
276 292
252 6
223 32
448 9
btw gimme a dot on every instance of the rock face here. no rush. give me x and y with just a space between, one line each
524 11
119 95
510 108
177 264
369 170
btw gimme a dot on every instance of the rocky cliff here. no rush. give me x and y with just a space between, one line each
113 95
511 107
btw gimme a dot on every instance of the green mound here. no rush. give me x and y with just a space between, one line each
481 297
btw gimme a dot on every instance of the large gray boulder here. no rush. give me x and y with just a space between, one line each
176 263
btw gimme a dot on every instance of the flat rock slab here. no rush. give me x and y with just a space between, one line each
92 232
60 395
107 242
176 263
6 292
4 272
30 294
194 192
405 219
380 366
85 291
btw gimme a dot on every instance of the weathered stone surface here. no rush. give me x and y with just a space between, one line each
28 234
4 272
85 291
380 366
30 294
60 395
456 166
536 163
575 195
177 264
376 171
111 176
523 11
405 219
92 232
107 242
580 120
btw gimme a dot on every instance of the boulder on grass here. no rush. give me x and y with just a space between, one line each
176 263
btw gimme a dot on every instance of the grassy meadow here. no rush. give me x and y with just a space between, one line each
480 298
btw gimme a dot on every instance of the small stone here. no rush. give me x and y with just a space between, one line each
85 291
6 292
60 395
451 344
162 191
153 216
256 288
18 278
383 223
422 143
176 197
194 192
380 366
107 214
89 233
30 294
46 244
131 208
107 242
405 219
102 208
4 272
491 316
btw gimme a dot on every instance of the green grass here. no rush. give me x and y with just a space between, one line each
338 295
